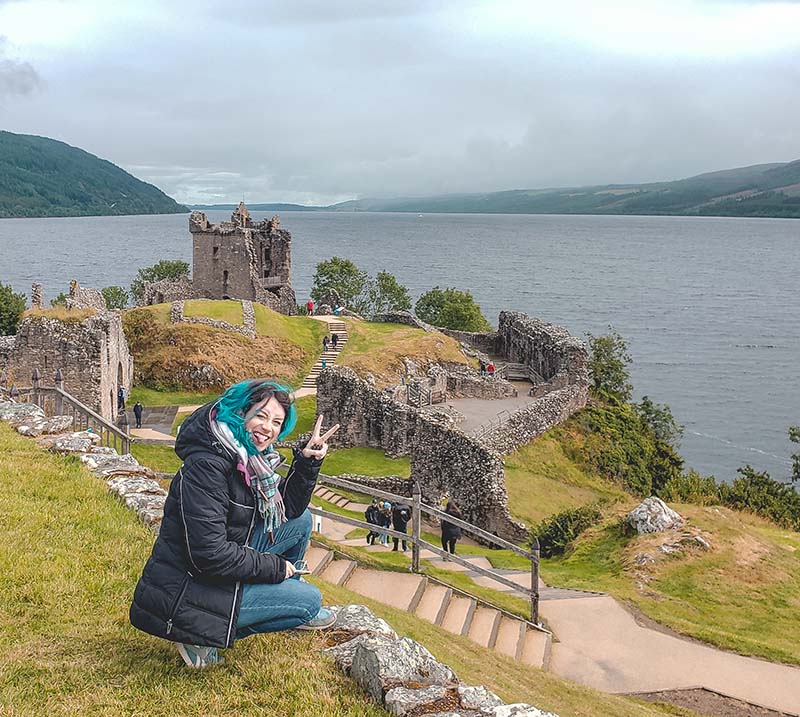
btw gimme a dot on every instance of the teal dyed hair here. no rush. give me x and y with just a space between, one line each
235 405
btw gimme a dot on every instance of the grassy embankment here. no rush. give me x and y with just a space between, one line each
166 355
67 647
743 594
379 349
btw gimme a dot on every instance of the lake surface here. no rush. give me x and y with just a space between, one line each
709 306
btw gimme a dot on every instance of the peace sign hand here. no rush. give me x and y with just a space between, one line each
317 446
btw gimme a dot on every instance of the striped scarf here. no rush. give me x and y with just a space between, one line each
259 472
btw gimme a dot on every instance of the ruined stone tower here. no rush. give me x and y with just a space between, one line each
242 259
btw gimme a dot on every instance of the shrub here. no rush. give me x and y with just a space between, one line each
608 367
451 309
116 297
691 487
165 269
556 532
758 492
11 307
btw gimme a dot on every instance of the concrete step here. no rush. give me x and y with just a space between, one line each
337 571
458 617
341 501
317 558
483 628
400 590
433 604
535 648
510 637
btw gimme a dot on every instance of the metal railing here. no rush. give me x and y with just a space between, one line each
55 401
418 508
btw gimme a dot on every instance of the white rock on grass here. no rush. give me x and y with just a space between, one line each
653 515
78 442
359 618
478 698
108 463
401 701
39 426
343 653
402 661
520 710
18 413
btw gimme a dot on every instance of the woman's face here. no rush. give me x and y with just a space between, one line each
265 423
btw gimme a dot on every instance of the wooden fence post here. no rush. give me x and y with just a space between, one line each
535 581
36 378
416 517
59 402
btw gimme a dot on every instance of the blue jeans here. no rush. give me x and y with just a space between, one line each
284 605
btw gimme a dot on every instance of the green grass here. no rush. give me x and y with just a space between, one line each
511 680
180 417
66 647
306 414
299 330
230 311
365 461
158 457
542 480
151 397
742 595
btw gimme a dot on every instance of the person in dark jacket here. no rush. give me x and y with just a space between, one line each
451 532
223 565
401 514
137 412
371 516
384 520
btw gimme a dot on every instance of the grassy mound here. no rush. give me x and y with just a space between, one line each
180 361
70 557
379 349
743 594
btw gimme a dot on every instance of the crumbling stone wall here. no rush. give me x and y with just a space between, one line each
92 354
242 259
403 317
168 290
82 298
487 343
246 328
443 459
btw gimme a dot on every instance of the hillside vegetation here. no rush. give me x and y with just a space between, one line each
67 646
379 349
765 190
41 177
186 358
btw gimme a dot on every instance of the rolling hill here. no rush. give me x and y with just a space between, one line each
41 177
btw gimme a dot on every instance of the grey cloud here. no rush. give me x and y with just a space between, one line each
16 77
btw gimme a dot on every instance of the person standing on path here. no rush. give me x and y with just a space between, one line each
334 340
401 514
385 520
451 532
137 412
226 560
310 306
121 398
325 342
371 516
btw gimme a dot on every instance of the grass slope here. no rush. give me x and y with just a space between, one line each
379 349
41 177
69 560
230 311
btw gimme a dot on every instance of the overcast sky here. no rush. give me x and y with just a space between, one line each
315 101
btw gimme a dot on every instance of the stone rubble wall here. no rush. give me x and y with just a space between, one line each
403 317
532 421
168 290
246 328
84 298
390 484
487 343
443 460
467 383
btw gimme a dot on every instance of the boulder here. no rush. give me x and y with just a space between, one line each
653 515
478 698
343 653
359 619
78 442
38 426
379 667
107 463
520 710
19 413
401 701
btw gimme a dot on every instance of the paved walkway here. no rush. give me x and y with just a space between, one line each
478 411
598 643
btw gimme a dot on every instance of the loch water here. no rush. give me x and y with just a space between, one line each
709 306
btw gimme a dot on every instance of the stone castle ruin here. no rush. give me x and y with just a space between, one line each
239 259
444 459
92 352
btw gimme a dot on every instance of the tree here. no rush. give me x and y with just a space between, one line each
451 309
794 437
11 307
661 421
386 294
343 277
608 367
60 300
165 269
116 297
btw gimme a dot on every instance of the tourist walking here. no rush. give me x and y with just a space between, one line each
334 340
225 563
450 531
371 516
121 398
310 306
137 412
385 521
401 514
325 341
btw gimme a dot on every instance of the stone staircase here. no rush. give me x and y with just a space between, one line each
334 327
454 611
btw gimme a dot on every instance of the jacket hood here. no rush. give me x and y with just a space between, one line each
195 435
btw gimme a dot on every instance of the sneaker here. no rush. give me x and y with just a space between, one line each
197 656
323 619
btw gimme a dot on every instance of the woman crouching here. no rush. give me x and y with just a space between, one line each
224 563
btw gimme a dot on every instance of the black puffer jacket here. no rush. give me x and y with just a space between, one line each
191 587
